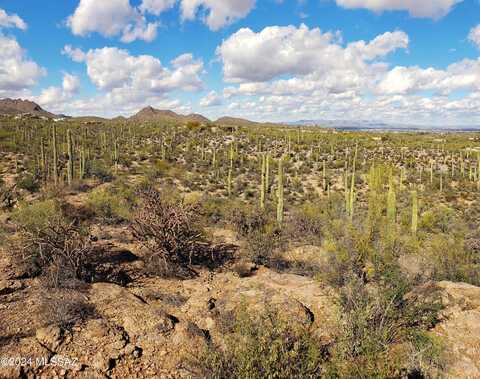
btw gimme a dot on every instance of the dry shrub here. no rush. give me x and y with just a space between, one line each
169 232
65 308
8 197
61 251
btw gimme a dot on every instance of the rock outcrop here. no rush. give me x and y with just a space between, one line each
459 329
153 327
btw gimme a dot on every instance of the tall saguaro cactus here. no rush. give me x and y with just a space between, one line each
263 182
70 158
280 203
267 174
391 203
55 154
414 212
351 199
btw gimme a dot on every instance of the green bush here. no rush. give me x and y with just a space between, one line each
101 172
264 346
29 183
383 331
33 218
111 205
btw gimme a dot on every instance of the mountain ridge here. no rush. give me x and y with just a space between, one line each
19 106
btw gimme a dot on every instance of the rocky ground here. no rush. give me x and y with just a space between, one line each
153 327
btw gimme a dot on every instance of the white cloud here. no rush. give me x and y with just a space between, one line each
463 75
54 98
128 82
111 18
218 13
156 7
288 73
417 8
275 51
75 54
18 73
474 35
11 21
71 83
211 100
114 18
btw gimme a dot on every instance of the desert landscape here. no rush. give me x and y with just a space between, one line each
240 189
172 246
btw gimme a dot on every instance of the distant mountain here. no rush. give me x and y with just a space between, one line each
18 107
233 121
380 125
152 114
340 123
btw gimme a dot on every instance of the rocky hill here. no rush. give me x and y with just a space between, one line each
235 121
18 106
152 114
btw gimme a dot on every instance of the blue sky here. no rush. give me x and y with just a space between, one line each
394 60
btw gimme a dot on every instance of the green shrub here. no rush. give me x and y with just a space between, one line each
264 346
110 205
33 218
29 183
382 331
101 172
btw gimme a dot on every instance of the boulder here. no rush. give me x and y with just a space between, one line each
296 298
459 329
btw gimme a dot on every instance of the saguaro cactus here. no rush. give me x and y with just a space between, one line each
229 182
391 203
280 204
55 154
263 182
414 212
267 174
70 158
352 185
324 177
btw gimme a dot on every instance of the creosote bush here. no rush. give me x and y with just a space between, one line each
264 346
383 330
113 204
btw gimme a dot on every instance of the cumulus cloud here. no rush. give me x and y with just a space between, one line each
211 100
217 13
118 18
129 81
111 18
275 51
54 98
156 7
71 83
474 35
464 75
18 73
11 21
417 8
288 73
75 54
